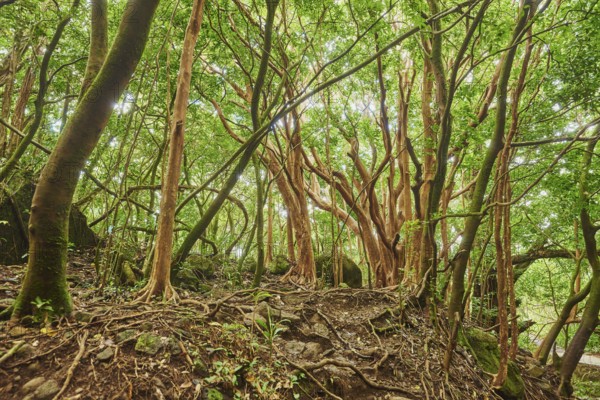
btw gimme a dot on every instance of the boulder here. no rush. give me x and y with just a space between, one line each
484 348
279 265
351 273
14 211
194 271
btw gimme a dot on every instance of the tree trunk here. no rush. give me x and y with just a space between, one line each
459 263
160 278
589 319
260 224
98 45
48 225
250 146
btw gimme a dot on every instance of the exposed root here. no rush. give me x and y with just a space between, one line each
73 365
298 279
360 374
153 290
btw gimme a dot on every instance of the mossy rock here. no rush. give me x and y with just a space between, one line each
280 265
148 343
14 211
193 272
351 273
249 265
203 266
484 347
213 394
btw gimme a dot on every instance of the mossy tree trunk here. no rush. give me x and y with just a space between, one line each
48 225
589 319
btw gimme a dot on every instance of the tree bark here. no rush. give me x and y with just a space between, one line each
459 263
48 225
98 43
160 277
589 319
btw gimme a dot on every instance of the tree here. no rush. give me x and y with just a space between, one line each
48 225
160 279
589 319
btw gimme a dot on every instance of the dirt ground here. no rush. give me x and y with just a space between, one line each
278 342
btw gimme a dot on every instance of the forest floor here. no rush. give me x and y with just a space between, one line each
274 343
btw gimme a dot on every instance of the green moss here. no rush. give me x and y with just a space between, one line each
352 275
148 343
45 279
279 265
213 394
484 347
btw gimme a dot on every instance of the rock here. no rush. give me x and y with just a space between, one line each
25 351
33 384
313 351
484 347
172 346
46 390
192 273
125 335
280 265
106 354
83 316
320 329
213 394
34 367
351 273
266 311
148 343
536 371
294 347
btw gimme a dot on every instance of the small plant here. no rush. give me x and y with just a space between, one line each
271 329
43 311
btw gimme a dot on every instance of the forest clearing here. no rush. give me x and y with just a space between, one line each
299 199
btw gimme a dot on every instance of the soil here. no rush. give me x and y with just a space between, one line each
279 342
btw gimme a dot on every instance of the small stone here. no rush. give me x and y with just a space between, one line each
25 351
33 384
83 316
173 346
46 390
125 335
313 350
148 343
321 329
106 354
294 347
34 367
